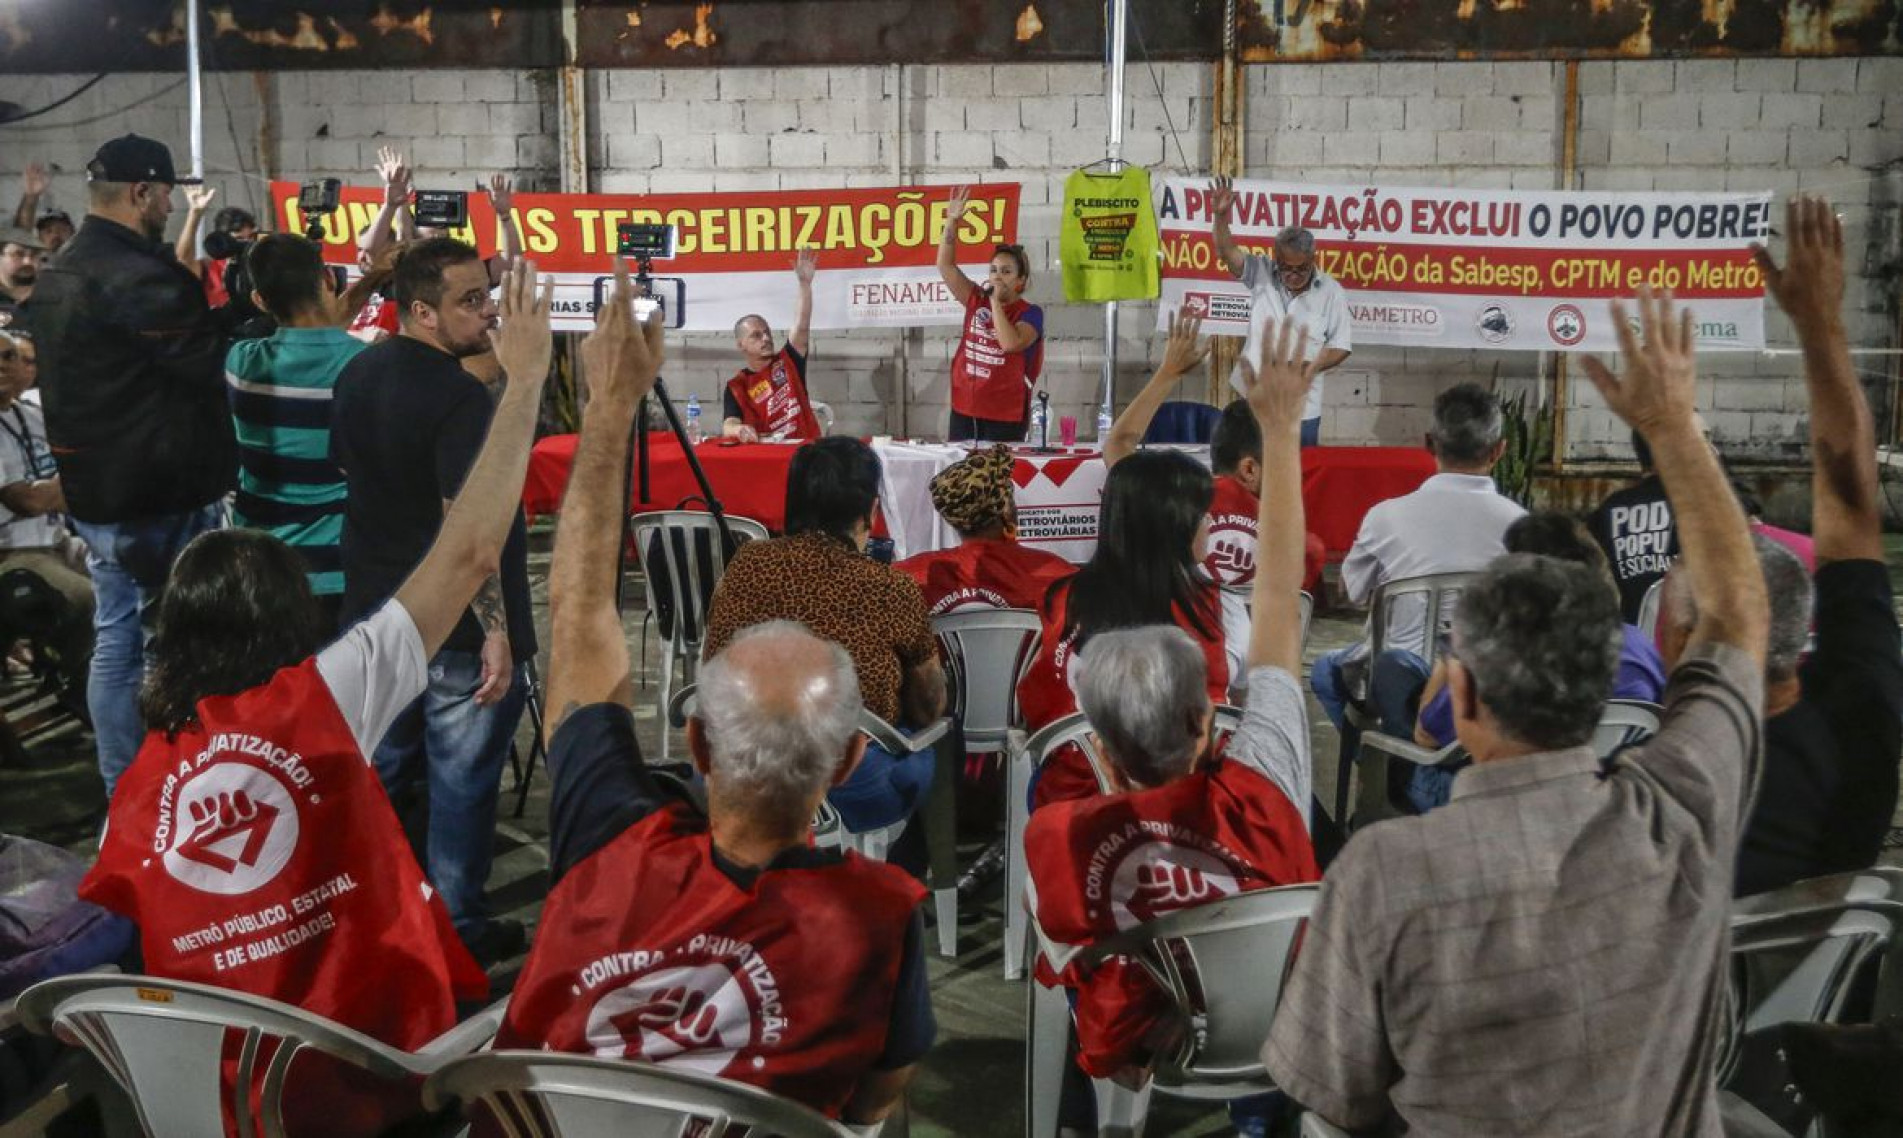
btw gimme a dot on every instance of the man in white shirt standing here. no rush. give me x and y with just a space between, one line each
1287 284
1454 523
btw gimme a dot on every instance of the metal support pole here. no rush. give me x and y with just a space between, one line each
195 83
572 108
1116 22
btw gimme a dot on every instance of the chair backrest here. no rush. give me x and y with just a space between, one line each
1182 421
1246 593
1223 965
165 1043
1624 723
1074 730
824 413
987 651
1415 613
1835 928
539 1094
683 558
1649 605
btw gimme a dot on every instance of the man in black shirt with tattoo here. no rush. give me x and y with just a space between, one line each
406 423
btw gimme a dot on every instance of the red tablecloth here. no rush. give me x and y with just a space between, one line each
749 478
1339 484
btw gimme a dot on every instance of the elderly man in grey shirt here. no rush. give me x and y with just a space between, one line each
1545 954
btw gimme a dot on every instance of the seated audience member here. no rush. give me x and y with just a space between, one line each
767 397
253 791
1579 911
819 575
795 969
1147 569
1235 448
1397 676
280 404
1237 820
987 568
33 534
1833 720
1452 524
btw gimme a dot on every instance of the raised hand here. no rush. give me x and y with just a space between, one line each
955 209
35 179
1659 386
1222 199
501 193
1810 286
197 198
805 264
1278 382
621 357
523 343
395 175
1182 352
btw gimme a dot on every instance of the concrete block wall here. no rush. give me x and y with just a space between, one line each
1709 124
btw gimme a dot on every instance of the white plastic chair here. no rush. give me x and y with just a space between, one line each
987 651
682 560
540 1094
1649 606
1223 965
164 1043
824 413
1623 723
1433 595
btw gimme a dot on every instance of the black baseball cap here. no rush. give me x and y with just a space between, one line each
135 159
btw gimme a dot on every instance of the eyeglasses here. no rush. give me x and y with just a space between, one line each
1296 271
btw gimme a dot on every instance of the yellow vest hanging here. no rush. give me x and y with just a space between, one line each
1107 241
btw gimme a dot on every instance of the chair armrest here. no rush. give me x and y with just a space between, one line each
898 742
1315 1126
681 705
1377 743
466 1037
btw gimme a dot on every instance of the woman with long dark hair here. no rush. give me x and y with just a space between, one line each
1147 570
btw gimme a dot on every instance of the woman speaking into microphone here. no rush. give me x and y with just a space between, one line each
1001 351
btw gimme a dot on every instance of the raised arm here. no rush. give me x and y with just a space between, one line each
197 200
502 199
1180 355
948 270
1847 522
396 197
588 654
468 549
1655 396
1222 200
1277 391
33 184
804 266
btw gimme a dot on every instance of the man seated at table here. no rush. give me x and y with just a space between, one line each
1234 447
1452 524
722 943
987 568
1235 821
767 398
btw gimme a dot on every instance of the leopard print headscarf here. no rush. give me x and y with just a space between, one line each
975 495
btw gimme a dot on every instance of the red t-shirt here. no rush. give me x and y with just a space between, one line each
1107 863
257 851
375 320
774 398
985 573
1233 514
1045 694
648 950
987 381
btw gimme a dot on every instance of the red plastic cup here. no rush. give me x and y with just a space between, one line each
1067 430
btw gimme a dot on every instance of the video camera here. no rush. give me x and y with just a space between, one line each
647 244
441 209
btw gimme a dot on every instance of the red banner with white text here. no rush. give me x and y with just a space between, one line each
1500 269
877 247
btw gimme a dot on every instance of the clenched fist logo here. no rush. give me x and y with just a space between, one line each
235 827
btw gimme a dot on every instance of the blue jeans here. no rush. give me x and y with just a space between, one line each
129 562
1328 684
883 789
462 747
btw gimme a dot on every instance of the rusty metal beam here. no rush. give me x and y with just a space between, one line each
1227 159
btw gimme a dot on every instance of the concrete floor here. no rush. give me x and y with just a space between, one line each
970 1086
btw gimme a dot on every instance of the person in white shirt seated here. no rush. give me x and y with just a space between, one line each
1455 523
33 533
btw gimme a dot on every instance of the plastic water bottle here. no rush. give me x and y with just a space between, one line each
693 420
1103 424
1041 421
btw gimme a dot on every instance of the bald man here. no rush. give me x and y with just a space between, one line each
767 398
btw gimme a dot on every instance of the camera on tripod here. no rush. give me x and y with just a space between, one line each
441 209
647 244
317 199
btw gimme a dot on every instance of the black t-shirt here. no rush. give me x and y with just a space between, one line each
600 786
730 407
1635 528
1830 762
15 315
406 425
